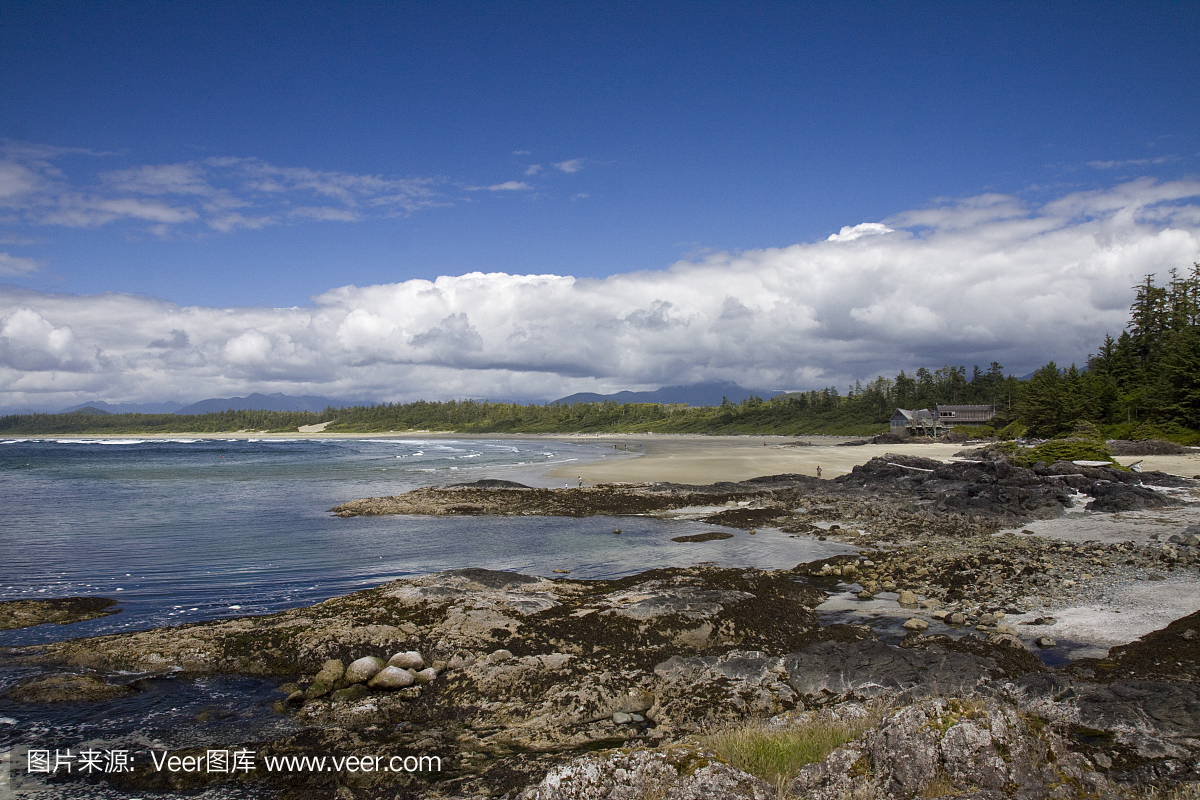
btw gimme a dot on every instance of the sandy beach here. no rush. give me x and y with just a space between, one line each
705 459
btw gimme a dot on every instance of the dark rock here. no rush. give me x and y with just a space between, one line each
1144 447
489 483
832 671
59 611
1123 497
490 578
67 688
707 536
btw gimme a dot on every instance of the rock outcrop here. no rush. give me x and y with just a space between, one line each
526 674
59 611
895 494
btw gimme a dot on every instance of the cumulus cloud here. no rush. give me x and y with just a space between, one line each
961 282
849 233
29 342
569 166
533 169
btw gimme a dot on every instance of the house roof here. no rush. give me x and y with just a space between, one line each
914 415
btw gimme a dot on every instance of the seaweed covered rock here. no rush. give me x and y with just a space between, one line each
67 688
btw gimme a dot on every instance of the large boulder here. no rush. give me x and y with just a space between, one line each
1111 496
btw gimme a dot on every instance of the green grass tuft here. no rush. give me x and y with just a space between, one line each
777 754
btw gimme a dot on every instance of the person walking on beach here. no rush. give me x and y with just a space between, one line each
818 470
581 482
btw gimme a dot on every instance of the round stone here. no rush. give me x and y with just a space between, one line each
410 660
392 678
916 624
363 669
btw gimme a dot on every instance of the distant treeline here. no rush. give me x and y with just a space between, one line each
1144 383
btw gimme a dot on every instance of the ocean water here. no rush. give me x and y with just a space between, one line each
187 530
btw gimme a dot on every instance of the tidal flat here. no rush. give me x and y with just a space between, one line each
940 655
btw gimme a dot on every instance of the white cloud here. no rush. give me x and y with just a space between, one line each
963 282
533 169
29 342
849 234
17 265
572 165
510 186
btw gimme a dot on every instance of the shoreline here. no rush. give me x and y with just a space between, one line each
1129 609
669 457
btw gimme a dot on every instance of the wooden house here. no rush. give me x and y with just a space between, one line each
952 416
923 422
914 422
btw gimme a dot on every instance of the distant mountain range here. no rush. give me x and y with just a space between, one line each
168 407
215 405
262 402
693 394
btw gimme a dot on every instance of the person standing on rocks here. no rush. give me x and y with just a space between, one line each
580 481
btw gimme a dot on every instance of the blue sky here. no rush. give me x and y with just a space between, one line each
206 164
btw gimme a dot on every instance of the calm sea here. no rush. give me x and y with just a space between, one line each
186 530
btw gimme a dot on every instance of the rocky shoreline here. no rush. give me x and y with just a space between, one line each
537 688
512 680
57 611
899 497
